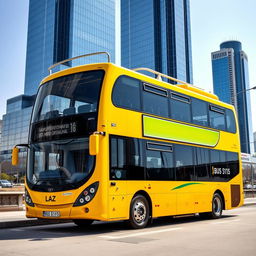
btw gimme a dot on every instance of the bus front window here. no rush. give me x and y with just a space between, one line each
59 164
64 116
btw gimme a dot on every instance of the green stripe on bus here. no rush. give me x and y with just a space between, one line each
186 184
163 129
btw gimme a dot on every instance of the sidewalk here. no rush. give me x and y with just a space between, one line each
13 219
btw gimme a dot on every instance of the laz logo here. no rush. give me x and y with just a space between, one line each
50 199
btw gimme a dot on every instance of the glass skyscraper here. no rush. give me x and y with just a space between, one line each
156 34
230 81
62 29
57 30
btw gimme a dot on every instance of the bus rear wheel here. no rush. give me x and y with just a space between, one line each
83 223
217 208
139 212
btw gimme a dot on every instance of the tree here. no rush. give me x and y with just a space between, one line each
4 176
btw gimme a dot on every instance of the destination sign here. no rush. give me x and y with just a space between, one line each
63 128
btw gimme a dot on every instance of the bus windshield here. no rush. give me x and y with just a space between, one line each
65 114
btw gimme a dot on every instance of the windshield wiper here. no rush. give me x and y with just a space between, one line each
64 143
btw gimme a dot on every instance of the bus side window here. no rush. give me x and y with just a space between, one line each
217 118
218 162
126 93
202 167
180 107
126 161
184 163
230 119
155 100
199 112
159 162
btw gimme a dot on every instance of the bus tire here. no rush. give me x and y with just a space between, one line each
139 212
83 223
217 208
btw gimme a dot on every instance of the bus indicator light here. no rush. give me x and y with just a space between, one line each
87 195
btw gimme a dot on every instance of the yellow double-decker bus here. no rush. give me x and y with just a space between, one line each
108 143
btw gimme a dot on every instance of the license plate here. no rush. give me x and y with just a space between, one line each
51 214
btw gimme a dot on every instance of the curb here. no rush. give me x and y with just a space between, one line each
248 204
27 223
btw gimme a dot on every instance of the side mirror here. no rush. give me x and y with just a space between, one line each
15 156
94 144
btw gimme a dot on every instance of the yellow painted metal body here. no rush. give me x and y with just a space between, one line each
113 202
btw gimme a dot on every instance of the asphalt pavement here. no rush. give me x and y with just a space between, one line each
12 219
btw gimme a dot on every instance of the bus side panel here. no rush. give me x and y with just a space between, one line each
118 205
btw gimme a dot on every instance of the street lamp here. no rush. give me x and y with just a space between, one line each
253 88
244 108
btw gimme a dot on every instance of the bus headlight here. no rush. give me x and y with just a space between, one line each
28 199
87 195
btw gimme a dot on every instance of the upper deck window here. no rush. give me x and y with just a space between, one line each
180 108
230 119
217 118
126 93
199 112
155 100
69 95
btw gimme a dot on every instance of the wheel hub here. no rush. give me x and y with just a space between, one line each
139 212
217 206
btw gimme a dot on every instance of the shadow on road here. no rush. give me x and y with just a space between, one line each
44 233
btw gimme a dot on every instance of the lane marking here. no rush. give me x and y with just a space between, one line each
141 233
223 222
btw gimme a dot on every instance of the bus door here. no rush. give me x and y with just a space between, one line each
118 179
117 199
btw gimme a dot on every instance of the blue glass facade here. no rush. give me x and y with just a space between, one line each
40 43
156 34
57 30
92 29
231 80
220 72
63 29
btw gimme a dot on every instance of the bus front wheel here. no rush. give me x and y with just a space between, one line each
83 223
139 212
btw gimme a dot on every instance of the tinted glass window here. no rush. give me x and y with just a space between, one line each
233 163
68 95
159 165
126 161
199 112
202 168
217 118
126 93
218 164
180 108
231 123
155 101
184 162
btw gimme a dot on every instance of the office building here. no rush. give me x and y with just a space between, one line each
156 35
62 29
57 30
230 81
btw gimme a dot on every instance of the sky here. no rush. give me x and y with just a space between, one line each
212 22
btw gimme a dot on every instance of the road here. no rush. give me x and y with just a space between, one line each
234 234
